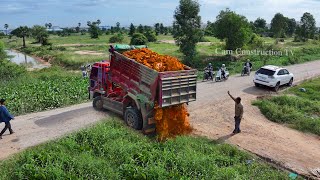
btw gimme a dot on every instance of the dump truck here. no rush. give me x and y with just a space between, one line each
132 90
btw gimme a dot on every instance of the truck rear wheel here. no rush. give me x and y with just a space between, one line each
133 118
97 103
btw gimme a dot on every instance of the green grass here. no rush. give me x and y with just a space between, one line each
67 56
45 89
111 151
299 110
83 39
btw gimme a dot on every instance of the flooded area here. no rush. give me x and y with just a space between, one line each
25 60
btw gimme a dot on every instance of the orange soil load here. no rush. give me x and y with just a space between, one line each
154 60
171 121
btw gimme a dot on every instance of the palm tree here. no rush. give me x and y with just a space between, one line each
22 32
79 24
6 26
50 25
98 22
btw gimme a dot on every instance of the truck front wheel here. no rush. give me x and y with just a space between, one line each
133 118
97 103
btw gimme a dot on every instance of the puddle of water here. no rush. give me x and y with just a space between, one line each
24 60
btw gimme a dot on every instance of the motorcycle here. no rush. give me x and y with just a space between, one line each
208 75
219 76
246 71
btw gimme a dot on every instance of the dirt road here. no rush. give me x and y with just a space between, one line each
211 116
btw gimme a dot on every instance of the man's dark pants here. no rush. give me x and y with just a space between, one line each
7 126
237 121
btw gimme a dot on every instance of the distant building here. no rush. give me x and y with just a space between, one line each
5 31
55 29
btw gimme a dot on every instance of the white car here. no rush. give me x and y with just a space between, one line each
273 76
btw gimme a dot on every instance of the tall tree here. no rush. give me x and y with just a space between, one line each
260 25
78 28
50 25
6 26
118 27
209 30
147 28
140 29
187 27
40 34
161 28
233 28
157 28
93 29
308 26
132 30
279 25
291 28
22 32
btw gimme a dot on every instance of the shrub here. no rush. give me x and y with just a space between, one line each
43 89
151 36
138 39
9 70
117 38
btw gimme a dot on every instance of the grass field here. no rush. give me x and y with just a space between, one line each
45 89
296 109
110 150
65 51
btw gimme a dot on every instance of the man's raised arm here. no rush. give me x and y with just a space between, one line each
231 96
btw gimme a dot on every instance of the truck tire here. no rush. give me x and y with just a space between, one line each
97 103
133 118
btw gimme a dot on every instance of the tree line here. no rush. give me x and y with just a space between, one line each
235 29
187 30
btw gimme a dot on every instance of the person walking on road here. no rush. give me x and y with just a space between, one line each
5 117
238 113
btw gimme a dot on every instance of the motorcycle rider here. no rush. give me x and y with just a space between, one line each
248 66
223 71
210 69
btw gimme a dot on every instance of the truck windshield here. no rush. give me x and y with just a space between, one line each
94 73
266 72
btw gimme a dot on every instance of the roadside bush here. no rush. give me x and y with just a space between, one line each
151 36
9 70
255 42
44 89
138 39
117 38
2 52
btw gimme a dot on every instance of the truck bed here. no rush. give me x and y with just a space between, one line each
167 88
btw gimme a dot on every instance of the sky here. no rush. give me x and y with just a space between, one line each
68 13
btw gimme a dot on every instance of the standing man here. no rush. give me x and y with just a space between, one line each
5 117
238 113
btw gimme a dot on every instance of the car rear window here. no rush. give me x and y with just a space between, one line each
266 72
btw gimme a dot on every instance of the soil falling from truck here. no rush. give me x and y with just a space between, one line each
170 121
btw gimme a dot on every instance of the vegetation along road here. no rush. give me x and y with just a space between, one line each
211 116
